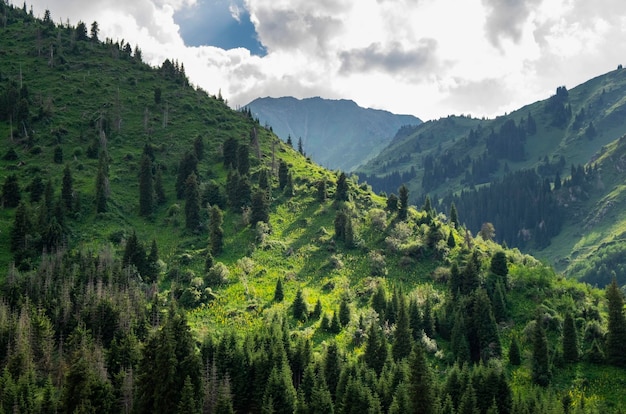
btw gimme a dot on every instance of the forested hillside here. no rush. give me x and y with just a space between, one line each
163 253
521 172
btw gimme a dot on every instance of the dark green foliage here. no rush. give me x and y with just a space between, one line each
21 229
187 165
616 335
379 301
458 341
421 387
135 254
402 337
198 147
392 203
341 218
344 311
321 191
58 155
341 193
260 209
541 372
570 339
67 190
451 241
243 160
499 265
264 180
146 190
300 146
515 355
283 175
102 184
375 353
335 325
299 307
279 295
230 153
213 196
470 274
159 190
152 264
403 192
317 310
216 233
483 339
454 216
192 203
11 191
36 189
332 368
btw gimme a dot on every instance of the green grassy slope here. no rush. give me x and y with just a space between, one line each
94 91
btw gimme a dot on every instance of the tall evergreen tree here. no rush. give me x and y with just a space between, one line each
283 174
67 190
188 164
299 307
230 153
401 347
11 191
421 385
540 361
616 335
146 191
192 203
570 339
216 233
260 209
515 355
243 160
375 352
279 294
454 216
403 193
344 311
341 193
321 191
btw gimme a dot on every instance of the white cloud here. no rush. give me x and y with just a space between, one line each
430 58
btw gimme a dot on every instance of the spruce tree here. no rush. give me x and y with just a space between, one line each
401 347
230 153
392 203
515 355
421 386
341 193
67 190
216 233
243 160
570 339
299 307
146 191
321 191
159 190
279 295
11 191
403 193
283 174
540 361
152 264
341 219
188 164
344 311
192 203
260 209
616 335
454 216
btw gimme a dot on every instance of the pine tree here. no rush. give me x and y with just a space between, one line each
243 160
198 147
341 219
392 203
11 191
616 335
451 241
375 352
300 146
515 355
344 311
187 165
341 193
300 311
454 216
216 233
499 265
321 191
279 295
230 153
146 192
403 192
67 190
283 174
192 203
402 342
421 388
540 362
260 209
21 228
152 264
317 310
570 339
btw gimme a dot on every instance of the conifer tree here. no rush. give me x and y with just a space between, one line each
401 347
279 295
403 193
188 164
540 361
300 146
230 153
159 190
321 191
300 311
67 190
259 207
198 147
344 311
11 191
152 264
341 193
192 203
499 265
335 325
317 310
454 216
515 355
341 218
36 188
375 352
392 203
332 368
283 174
421 388
451 241
264 180
616 335
145 186
243 160
216 233
570 339
458 340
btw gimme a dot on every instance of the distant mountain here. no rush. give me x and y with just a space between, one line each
530 173
337 134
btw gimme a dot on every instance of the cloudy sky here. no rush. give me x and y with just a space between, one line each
429 58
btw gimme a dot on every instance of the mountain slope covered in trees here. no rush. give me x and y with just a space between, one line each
166 254
478 164
337 134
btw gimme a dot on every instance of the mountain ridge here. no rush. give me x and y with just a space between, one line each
336 133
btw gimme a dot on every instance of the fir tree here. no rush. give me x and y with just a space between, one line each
67 190
341 193
454 216
192 203
515 355
392 203
421 388
540 361
570 339
243 160
11 191
616 335
187 165
300 146
230 153
401 347
216 233
317 310
299 307
403 192
451 241
259 208
146 192
344 311
152 264
283 174
279 295
321 191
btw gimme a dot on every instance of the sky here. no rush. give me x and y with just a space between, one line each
428 58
